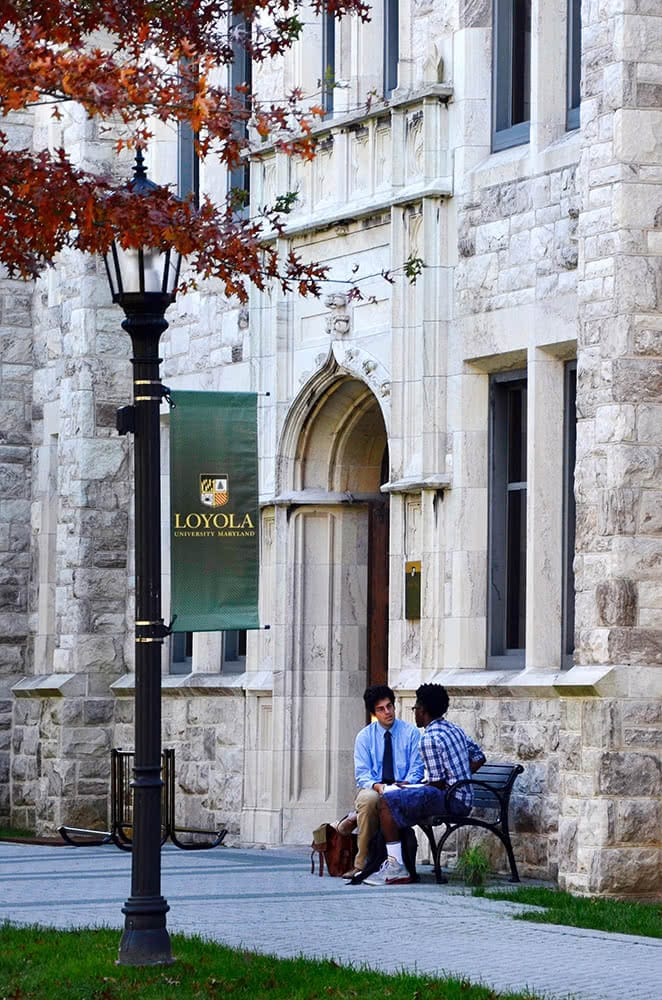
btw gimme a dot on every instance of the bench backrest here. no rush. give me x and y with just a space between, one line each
499 777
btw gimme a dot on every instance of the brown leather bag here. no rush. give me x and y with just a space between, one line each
339 850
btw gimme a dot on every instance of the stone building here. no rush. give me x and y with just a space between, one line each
460 476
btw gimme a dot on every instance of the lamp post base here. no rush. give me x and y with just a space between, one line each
147 945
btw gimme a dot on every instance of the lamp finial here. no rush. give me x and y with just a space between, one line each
139 171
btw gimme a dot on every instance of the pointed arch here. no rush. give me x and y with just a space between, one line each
331 435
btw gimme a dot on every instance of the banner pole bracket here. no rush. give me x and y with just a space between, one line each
152 631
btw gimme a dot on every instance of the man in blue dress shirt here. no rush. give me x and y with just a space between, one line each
376 766
450 755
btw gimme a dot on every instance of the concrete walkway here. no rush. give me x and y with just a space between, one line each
268 901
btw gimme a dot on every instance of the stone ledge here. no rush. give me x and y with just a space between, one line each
183 685
50 686
578 681
437 484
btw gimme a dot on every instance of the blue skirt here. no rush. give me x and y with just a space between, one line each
410 805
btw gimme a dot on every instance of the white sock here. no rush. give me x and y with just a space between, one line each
395 851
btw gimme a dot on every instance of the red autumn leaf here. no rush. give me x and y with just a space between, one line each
159 62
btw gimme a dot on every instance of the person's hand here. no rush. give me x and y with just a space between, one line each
379 787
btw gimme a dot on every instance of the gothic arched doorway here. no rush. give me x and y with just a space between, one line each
334 532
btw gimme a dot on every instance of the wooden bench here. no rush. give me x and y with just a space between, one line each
491 786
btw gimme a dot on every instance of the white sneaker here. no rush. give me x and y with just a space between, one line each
390 873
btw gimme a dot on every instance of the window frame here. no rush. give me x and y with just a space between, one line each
505 134
499 654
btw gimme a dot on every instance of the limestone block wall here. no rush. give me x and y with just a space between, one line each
203 721
15 486
78 519
517 241
526 730
611 813
610 842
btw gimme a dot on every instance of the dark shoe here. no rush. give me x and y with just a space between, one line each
351 873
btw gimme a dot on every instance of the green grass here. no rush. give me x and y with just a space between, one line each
45 964
582 911
14 833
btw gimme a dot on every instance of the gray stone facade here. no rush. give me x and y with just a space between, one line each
539 256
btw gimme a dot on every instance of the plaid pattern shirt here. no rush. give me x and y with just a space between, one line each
447 752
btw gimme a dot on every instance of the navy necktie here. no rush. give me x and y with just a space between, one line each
387 765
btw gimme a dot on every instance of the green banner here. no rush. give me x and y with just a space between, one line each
214 512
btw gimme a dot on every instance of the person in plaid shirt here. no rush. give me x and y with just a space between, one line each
449 755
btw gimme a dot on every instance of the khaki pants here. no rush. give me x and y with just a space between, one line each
367 809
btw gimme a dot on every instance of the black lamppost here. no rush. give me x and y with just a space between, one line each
143 282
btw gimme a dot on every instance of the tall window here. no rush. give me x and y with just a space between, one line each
569 512
506 605
511 73
188 164
241 75
328 60
391 45
574 61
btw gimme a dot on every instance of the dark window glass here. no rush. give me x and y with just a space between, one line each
188 164
391 45
511 72
328 60
569 512
241 75
234 651
181 652
574 62
516 569
507 520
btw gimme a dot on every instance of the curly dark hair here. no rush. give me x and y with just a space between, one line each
433 698
375 693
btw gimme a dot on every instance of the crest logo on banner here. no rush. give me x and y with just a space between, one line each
214 490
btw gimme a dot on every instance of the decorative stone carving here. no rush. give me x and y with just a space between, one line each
415 145
338 323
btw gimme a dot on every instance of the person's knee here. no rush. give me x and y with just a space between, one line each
367 800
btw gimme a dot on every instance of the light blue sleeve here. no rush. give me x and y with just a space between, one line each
363 763
416 767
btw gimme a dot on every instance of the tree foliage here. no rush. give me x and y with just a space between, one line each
129 65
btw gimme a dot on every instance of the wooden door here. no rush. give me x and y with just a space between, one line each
378 543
